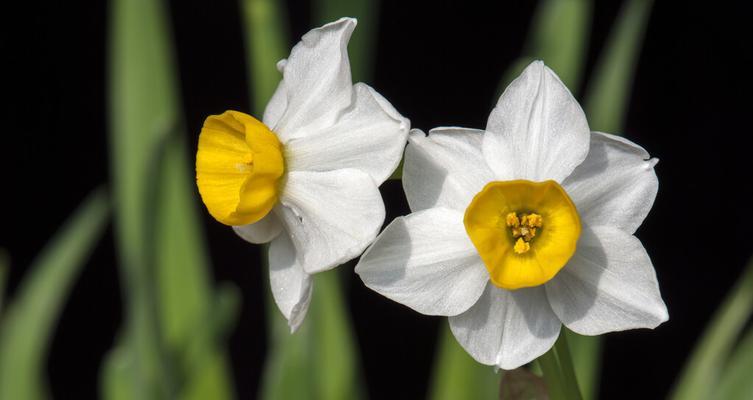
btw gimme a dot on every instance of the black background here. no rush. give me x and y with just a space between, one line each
439 63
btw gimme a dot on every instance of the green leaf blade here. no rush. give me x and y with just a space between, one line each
609 91
266 43
28 324
168 349
143 111
586 354
361 48
702 372
457 375
334 355
320 360
558 36
736 381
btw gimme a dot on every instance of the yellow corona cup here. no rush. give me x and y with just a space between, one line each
524 231
238 167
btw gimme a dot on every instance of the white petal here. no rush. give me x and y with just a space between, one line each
444 169
608 285
427 262
537 130
291 286
507 328
331 216
616 184
262 231
370 136
317 82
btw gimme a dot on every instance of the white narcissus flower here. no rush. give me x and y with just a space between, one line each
521 228
306 178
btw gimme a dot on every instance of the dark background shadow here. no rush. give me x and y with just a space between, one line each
439 63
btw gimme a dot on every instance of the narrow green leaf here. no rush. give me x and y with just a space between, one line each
4 267
209 378
586 353
320 360
457 375
116 370
702 372
182 265
566 366
186 300
333 353
28 324
286 372
143 112
266 43
558 36
737 380
362 47
609 90
170 347
555 382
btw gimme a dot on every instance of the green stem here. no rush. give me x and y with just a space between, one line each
557 366
566 366
552 375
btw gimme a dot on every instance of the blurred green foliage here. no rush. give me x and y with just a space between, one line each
719 367
362 46
266 29
27 325
610 87
735 381
456 375
172 342
319 361
559 36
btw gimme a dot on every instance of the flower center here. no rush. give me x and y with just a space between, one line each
524 232
239 164
523 228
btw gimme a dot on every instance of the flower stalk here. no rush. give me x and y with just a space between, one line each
557 366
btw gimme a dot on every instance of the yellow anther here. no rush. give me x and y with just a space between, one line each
531 233
524 226
512 220
521 246
532 220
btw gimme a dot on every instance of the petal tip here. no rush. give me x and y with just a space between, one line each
343 26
